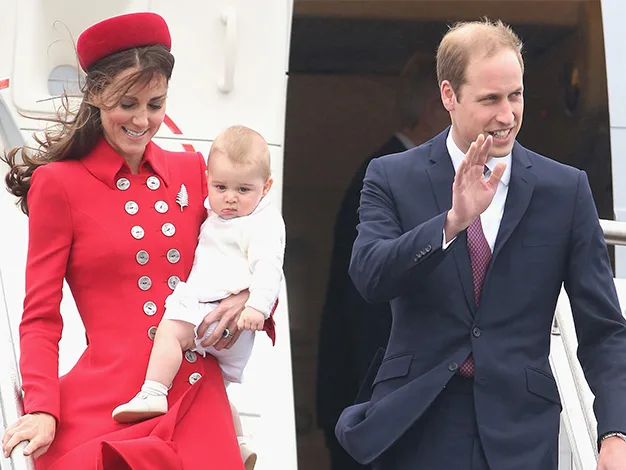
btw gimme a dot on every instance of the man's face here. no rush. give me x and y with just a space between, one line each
490 102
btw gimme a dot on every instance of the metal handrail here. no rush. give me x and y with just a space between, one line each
579 418
614 232
11 406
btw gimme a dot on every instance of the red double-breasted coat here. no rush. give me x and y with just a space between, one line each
122 242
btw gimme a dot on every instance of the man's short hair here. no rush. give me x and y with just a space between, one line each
466 39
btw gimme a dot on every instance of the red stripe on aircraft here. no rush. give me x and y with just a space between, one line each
171 125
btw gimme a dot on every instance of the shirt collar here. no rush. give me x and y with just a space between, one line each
406 141
457 157
106 164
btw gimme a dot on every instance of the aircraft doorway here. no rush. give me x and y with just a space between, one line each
346 57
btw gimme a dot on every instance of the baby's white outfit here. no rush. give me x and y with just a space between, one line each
232 255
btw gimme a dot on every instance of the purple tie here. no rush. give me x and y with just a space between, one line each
480 257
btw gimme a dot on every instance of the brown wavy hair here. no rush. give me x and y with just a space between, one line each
76 134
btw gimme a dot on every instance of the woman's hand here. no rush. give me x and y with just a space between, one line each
227 315
38 428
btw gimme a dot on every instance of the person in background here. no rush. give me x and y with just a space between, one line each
345 352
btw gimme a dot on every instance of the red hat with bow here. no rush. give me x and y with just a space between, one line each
120 33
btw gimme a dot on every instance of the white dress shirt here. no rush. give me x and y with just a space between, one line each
406 141
491 218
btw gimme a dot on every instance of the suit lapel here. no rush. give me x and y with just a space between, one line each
441 175
521 189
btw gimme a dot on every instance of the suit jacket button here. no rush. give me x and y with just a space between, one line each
152 332
168 229
122 184
161 207
453 367
149 308
142 257
144 282
173 256
173 281
153 183
191 356
131 207
137 232
476 332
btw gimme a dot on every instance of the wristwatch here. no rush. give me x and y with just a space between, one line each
614 434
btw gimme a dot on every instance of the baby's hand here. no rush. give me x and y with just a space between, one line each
251 319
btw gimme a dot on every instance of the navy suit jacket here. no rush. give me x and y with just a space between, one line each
549 236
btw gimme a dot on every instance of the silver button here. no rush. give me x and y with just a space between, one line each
173 282
149 308
145 283
161 207
122 184
137 232
168 229
193 378
152 332
131 207
153 183
191 356
142 257
173 256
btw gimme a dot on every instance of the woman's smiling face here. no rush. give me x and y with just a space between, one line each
130 124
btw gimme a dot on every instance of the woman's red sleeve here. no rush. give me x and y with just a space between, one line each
50 239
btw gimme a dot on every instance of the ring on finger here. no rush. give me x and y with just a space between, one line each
227 334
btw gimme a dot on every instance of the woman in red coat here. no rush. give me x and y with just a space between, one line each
118 218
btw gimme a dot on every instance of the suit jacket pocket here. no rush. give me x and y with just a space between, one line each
394 368
542 385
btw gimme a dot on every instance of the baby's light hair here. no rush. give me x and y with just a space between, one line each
243 146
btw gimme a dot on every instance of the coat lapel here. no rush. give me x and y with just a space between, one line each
441 175
521 189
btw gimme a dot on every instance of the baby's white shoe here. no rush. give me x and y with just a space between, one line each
247 455
141 407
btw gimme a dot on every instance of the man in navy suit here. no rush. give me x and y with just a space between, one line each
471 236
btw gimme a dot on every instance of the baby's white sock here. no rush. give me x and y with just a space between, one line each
154 388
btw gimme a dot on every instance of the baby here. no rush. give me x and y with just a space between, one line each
241 246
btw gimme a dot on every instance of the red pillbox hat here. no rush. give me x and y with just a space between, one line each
120 33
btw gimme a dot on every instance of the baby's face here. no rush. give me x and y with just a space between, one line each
234 190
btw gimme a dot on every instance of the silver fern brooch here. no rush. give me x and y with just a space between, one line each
182 198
